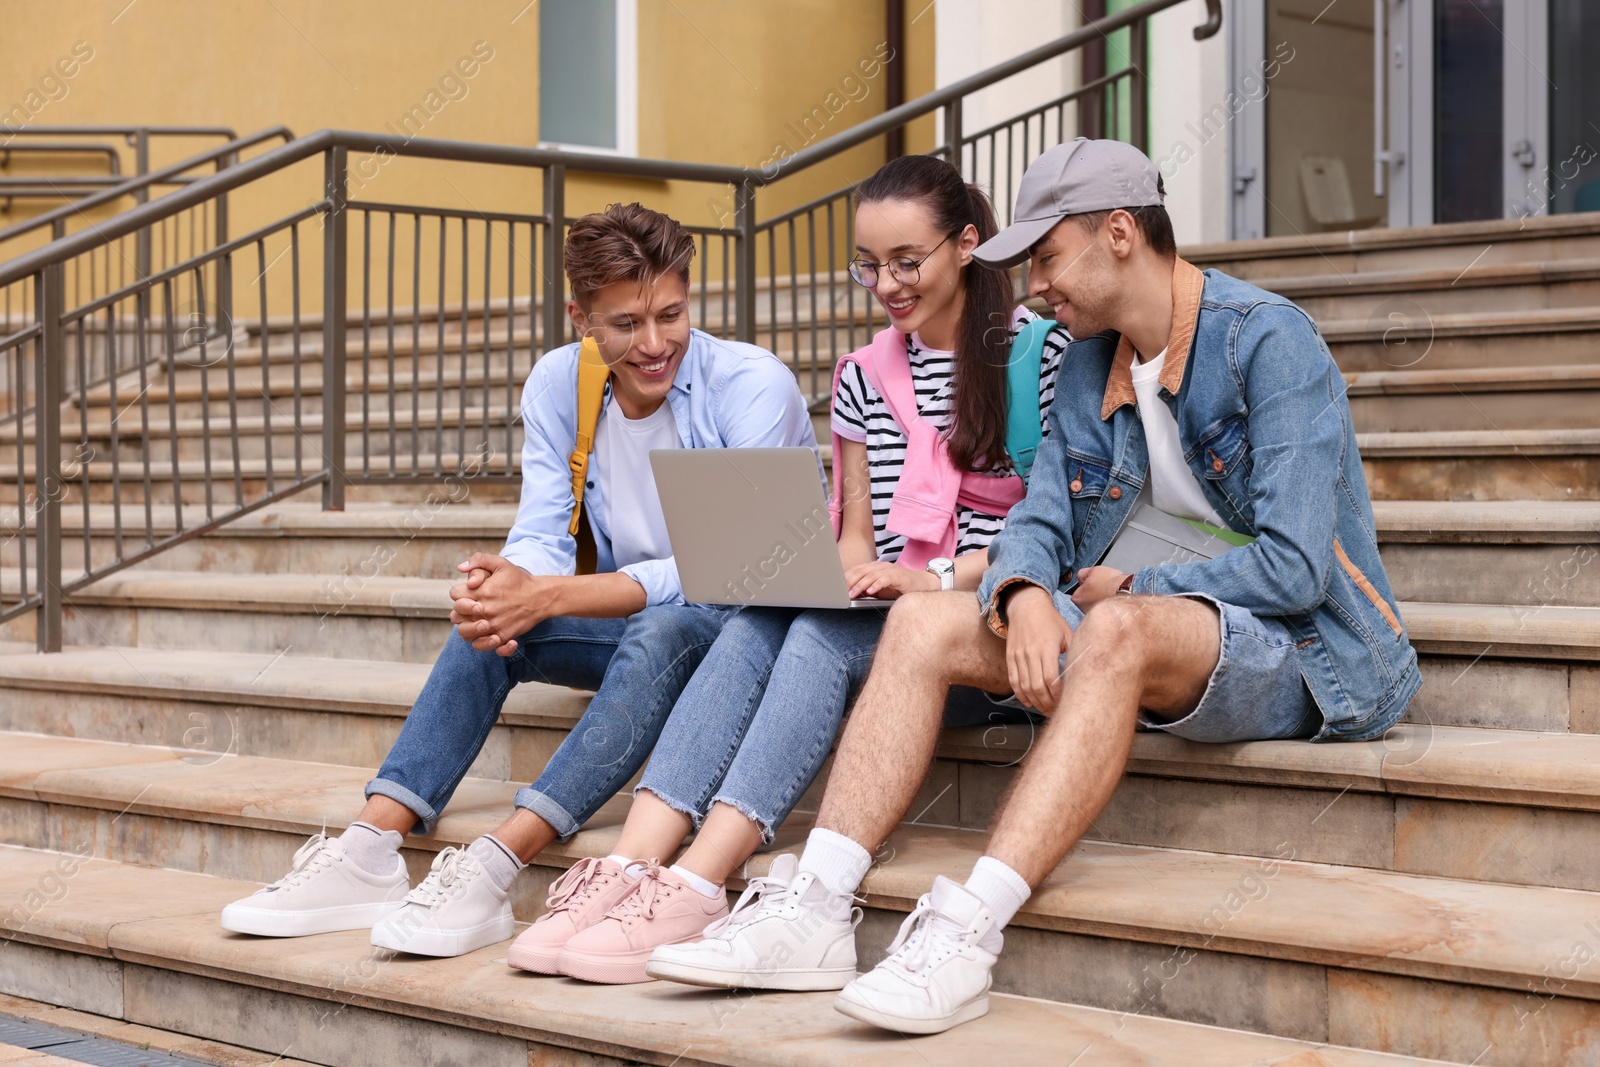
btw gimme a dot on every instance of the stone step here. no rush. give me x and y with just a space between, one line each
248 437
1518 286
709 297
189 396
189 389
132 607
1492 398
1414 338
1503 397
370 613
1484 465
203 707
428 537
1535 465
1518 552
139 945
90 1038
1095 933
1460 245
1502 552
430 474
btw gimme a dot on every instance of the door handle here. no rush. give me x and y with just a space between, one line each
1380 96
1523 153
1382 155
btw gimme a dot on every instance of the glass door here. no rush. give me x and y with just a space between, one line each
1412 112
1468 90
1574 172
1301 106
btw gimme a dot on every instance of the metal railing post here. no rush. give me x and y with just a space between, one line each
1138 110
224 265
555 267
744 271
952 132
49 386
141 156
334 251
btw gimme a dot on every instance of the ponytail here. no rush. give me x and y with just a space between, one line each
977 432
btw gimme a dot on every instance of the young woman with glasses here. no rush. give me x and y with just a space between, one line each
912 511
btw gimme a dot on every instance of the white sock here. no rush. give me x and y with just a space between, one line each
705 888
373 850
1002 891
498 860
838 862
630 868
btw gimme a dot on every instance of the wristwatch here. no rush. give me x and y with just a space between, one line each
944 570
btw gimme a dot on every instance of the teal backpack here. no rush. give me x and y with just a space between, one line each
1022 394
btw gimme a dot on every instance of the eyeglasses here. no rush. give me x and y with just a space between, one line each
903 270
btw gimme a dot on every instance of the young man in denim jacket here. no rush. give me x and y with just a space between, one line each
524 615
1221 401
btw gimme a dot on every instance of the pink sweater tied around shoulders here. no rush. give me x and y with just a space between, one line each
924 507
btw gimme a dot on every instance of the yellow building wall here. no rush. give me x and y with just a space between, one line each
723 81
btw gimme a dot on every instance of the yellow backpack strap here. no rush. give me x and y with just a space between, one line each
592 375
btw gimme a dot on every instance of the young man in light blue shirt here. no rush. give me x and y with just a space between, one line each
524 615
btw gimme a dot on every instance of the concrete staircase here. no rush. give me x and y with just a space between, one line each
1430 895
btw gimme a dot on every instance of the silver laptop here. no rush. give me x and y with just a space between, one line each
751 526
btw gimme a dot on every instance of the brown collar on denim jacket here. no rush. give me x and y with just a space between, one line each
1187 283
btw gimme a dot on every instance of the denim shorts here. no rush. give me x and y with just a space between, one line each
1255 693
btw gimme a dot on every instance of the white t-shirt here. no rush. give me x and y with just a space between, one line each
1173 486
628 486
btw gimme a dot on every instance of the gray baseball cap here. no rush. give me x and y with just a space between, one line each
1071 179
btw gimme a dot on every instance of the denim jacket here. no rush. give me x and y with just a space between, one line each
725 395
1266 429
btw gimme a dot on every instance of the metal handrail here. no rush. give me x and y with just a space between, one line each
469 353
302 148
124 131
65 148
142 182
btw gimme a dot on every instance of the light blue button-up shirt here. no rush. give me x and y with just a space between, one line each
725 395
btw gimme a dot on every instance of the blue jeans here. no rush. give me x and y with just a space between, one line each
637 666
758 719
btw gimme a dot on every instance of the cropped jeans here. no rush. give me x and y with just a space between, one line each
756 722
638 667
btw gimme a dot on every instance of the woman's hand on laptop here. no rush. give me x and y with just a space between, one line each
886 581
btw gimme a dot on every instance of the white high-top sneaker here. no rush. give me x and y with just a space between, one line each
453 911
324 891
777 936
935 975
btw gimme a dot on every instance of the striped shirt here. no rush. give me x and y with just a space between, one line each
860 414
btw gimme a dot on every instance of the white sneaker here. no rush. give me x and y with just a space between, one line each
935 975
324 891
455 910
776 937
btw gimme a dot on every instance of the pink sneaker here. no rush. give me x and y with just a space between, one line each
662 909
578 899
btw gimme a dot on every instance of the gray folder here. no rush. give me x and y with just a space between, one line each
1150 537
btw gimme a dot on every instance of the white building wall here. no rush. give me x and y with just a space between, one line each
973 35
1187 78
